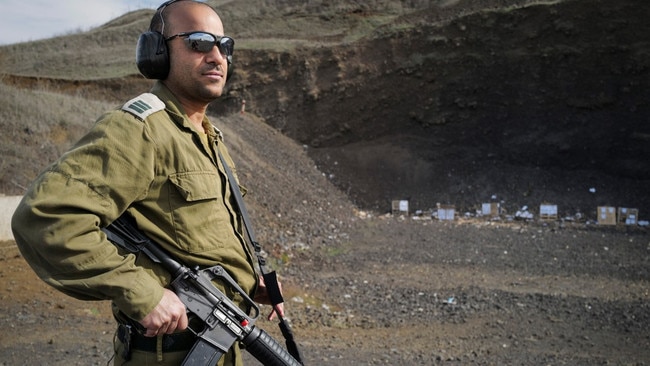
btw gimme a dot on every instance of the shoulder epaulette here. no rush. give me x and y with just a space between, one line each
218 132
144 105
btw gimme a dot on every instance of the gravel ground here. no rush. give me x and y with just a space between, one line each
368 289
404 291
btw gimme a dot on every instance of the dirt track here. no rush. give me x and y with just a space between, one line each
408 292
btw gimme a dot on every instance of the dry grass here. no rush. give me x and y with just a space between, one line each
108 51
104 52
38 127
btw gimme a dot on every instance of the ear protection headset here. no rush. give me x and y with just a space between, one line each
152 54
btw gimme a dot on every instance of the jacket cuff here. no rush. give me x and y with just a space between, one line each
140 299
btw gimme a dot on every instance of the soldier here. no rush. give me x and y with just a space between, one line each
157 159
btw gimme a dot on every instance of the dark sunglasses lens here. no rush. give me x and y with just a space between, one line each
226 45
201 42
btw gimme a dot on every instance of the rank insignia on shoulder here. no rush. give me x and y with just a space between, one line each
144 105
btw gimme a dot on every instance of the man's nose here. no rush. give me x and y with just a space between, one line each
215 55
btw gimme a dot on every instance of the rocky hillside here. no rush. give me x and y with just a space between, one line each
352 104
438 102
537 103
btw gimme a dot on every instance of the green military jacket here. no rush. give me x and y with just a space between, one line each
147 159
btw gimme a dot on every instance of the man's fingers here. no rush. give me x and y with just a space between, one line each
168 328
183 322
277 310
167 317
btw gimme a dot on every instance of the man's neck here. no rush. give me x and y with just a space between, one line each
195 112
194 109
197 120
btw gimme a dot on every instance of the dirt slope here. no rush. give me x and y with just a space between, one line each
533 104
452 102
368 290
446 104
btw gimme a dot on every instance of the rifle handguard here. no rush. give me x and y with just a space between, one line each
267 350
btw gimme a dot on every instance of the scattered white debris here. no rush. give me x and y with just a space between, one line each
363 214
523 214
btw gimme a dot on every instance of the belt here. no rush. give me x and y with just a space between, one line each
175 342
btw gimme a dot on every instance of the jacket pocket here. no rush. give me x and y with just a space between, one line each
200 219
196 186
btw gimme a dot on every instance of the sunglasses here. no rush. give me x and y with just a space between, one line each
203 42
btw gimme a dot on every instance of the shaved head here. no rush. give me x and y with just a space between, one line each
162 20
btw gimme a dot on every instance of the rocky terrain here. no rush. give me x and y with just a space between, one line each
352 105
367 289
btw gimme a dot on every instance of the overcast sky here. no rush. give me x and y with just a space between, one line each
29 20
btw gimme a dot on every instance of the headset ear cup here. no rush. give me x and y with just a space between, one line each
152 56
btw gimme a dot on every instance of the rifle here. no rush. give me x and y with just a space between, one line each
222 322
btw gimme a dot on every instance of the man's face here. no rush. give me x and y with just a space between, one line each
194 77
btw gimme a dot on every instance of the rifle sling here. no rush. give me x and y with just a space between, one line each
270 278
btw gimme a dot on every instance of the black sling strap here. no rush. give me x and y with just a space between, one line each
270 278
234 188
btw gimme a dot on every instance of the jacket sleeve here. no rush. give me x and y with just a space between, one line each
57 225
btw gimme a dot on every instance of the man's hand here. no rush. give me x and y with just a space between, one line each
262 297
167 317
